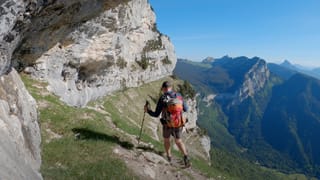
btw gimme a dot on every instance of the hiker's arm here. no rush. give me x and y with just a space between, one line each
158 110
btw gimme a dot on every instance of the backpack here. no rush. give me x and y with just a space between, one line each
173 110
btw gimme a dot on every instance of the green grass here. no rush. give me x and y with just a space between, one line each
69 157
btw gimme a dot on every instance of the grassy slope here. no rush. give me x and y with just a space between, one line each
65 155
68 157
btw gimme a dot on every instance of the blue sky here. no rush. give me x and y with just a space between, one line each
274 30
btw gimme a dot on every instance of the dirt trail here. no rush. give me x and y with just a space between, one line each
146 163
149 165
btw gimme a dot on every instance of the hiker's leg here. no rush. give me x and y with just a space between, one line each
181 146
177 137
166 140
167 146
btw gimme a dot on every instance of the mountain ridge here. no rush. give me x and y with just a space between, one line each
243 124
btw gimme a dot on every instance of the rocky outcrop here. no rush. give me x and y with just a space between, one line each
255 79
192 114
11 13
20 134
86 49
206 145
193 133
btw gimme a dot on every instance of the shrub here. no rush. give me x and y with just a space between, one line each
121 63
153 45
166 60
155 28
144 62
187 90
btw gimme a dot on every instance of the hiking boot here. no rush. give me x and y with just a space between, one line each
186 161
169 158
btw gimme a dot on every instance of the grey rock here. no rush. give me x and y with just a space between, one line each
192 114
20 134
8 37
149 172
154 158
206 144
14 23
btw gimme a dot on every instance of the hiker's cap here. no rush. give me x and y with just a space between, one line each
166 84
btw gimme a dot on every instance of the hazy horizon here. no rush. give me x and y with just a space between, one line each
276 62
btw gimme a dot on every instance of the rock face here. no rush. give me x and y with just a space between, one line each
192 126
10 13
85 50
206 144
255 80
192 114
20 134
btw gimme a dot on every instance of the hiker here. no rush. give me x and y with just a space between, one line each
170 127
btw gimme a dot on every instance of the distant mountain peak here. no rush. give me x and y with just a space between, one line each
286 63
226 57
208 59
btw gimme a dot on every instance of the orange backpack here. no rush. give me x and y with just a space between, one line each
173 111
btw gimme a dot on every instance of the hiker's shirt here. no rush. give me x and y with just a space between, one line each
161 104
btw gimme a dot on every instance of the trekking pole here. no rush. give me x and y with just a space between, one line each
187 131
144 114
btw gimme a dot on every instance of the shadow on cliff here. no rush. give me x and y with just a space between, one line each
87 134
52 22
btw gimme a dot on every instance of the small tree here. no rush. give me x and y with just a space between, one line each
187 90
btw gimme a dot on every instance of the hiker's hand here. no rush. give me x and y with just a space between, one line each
145 108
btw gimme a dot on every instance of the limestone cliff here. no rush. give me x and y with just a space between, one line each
255 79
87 49
20 135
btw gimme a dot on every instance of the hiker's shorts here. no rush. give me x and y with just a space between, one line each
175 132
